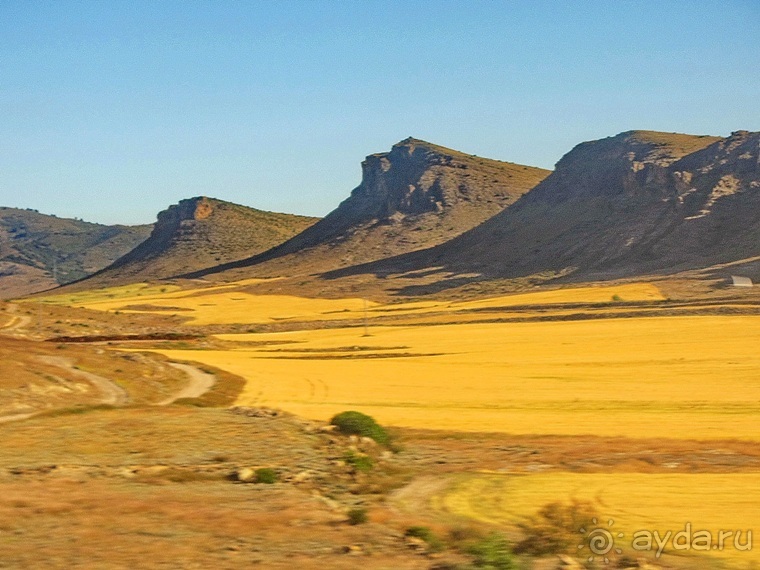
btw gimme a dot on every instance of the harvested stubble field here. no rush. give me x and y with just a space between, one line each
688 377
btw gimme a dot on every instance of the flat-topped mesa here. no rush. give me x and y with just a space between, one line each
177 220
414 178
392 182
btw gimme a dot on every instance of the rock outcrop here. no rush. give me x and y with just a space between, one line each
200 233
634 203
413 197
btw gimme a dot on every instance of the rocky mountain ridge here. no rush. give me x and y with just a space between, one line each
638 202
415 196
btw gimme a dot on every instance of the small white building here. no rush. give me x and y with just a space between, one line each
741 281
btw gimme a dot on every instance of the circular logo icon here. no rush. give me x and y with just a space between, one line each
600 541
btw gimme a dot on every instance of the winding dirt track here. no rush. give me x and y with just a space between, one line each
112 394
200 383
17 322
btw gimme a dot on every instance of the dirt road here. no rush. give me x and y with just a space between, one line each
112 394
17 323
200 383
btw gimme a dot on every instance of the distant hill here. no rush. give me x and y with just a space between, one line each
634 203
39 251
413 197
199 233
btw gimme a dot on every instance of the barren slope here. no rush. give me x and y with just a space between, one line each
199 233
415 196
36 248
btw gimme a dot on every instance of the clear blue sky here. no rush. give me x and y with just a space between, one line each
113 110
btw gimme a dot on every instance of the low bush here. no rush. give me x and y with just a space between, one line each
266 475
554 529
356 423
357 516
492 552
362 463
424 533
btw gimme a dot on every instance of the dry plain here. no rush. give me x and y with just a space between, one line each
624 366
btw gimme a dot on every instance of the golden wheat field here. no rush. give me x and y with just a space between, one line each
683 377
634 502
219 305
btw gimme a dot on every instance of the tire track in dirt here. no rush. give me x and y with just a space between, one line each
113 395
16 417
416 497
200 383
17 322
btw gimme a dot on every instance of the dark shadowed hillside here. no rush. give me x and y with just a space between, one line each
415 196
38 251
199 233
634 203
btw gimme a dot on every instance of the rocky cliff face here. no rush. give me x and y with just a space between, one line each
415 196
634 203
199 233
715 194
174 226
416 178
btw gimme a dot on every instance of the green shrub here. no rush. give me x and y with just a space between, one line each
617 298
358 462
554 529
356 423
424 533
266 475
357 516
492 552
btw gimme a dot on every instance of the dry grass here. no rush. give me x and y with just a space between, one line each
634 501
151 488
620 402
118 524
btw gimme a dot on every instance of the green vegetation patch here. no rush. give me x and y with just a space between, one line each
266 475
356 423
